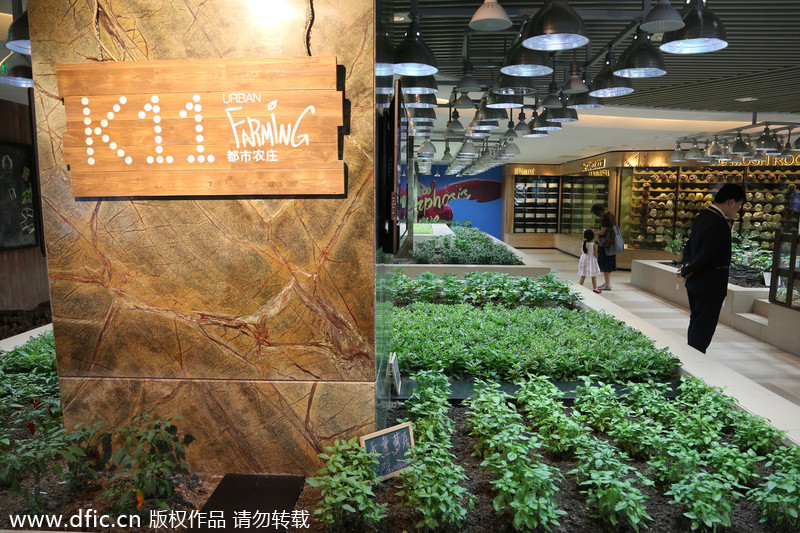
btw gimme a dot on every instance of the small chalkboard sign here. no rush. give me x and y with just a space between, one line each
395 368
391 445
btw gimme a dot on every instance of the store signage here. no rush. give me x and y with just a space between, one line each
601 173
519 171
769 161
595 164
210 127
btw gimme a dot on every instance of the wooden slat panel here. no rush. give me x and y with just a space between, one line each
318 155
137 77
192 183
174 132
219 125
212 105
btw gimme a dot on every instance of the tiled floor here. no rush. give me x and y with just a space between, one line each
763 363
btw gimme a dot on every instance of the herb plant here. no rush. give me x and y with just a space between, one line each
468 246
707 498
346 481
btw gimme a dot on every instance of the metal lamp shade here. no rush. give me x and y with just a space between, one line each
703 32
606 84
16 72
419 100
412 57
555 27
419 84
519 85
641 59
504 101
490 17
522 61
19 37
662 18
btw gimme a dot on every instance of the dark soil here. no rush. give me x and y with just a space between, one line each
16 322
58 498
667 518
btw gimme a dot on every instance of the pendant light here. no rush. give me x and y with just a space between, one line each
427 150
562 114
641 59
715 150
543 124
789 145
490 17
606 84
522 126
419 84
739 147
522 61
509 151
694 153
422 114
412 57
447 157
454 127
510 132
468 83
519 85
555 27
677 156
419 100
15 70
786 153
504 101
702 31
796 145
533 133
766 142
575 85
464 102
584 101
19 37
552 100
662 18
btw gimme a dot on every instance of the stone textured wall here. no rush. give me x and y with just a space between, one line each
251 318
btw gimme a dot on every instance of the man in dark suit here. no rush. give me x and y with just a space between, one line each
706 259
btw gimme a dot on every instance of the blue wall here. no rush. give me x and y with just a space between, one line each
462 198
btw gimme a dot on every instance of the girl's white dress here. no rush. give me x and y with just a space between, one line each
587 265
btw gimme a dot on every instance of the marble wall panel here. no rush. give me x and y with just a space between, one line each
179 292
238 426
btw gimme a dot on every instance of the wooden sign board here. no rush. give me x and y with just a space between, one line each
203 127
391 445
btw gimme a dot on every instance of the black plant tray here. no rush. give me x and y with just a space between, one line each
461 390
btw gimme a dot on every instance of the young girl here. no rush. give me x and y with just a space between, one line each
587 266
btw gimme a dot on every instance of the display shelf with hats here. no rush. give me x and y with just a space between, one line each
768 207
653 203
536 201
578 195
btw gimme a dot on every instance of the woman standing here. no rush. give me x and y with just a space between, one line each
608 263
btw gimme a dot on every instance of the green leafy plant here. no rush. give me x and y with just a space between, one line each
707 498
469 246
483 288
524 484
151 451
779 498
511 344
611 486
678 243
754 432
431 483
346 481
746 252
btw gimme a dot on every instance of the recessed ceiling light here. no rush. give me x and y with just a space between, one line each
746 99
592 148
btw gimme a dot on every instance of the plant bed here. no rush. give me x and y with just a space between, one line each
739 275
462 390
130 470
700 438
